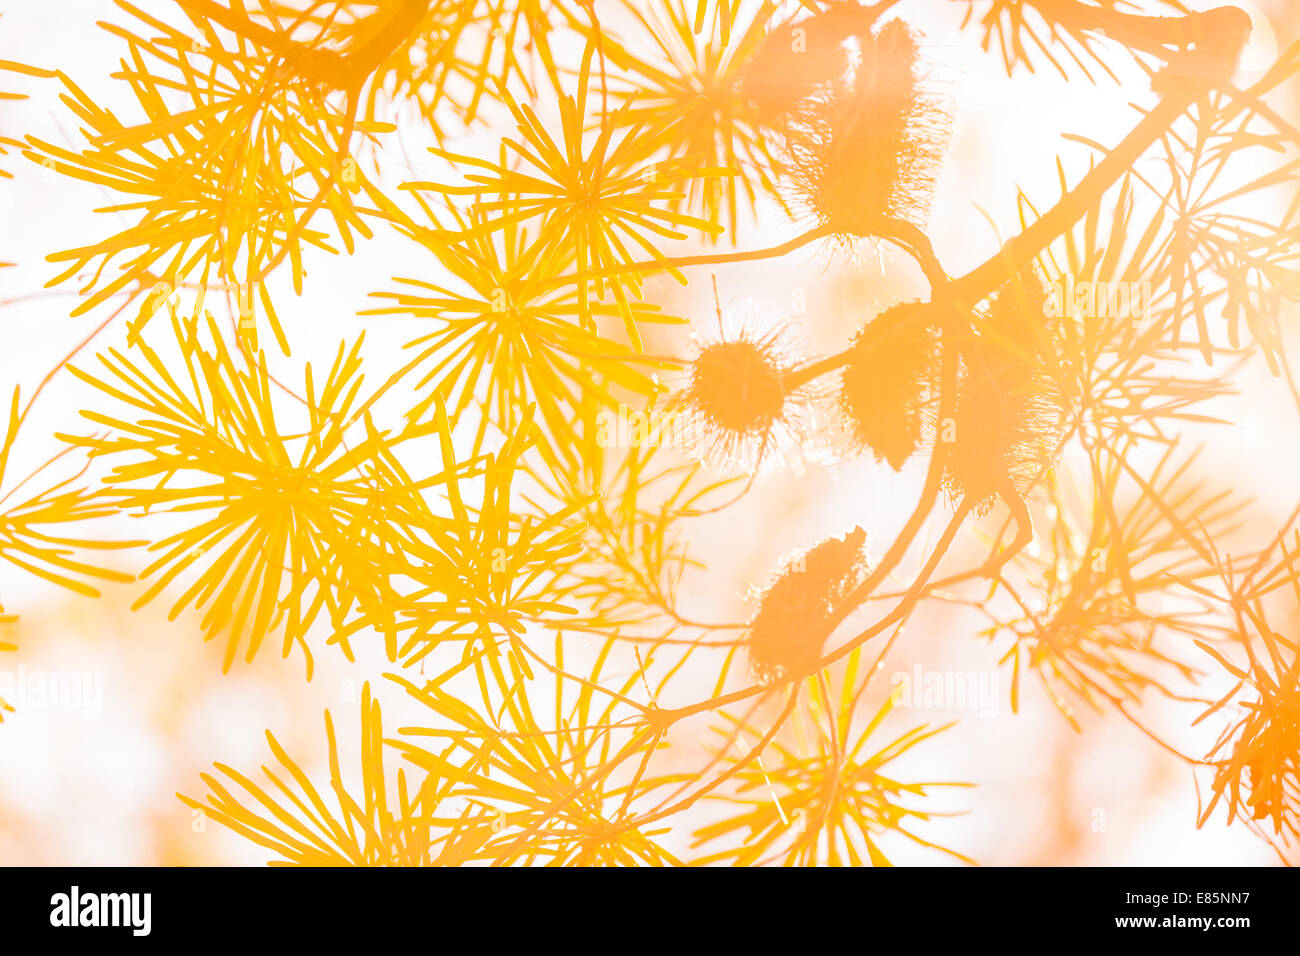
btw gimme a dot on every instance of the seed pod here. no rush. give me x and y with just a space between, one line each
869 147
1010 410
738 386
739 399
886 382
788 630
797 59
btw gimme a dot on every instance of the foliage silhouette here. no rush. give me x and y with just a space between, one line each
522 571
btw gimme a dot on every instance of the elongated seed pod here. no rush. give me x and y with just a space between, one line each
868 148
886 382
789 628
1010 410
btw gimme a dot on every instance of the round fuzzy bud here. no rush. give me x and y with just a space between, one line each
740 402
738 386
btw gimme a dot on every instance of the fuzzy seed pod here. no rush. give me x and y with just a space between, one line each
886 382
788 630
738 398
870 146
797 59
1010 410
738 386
